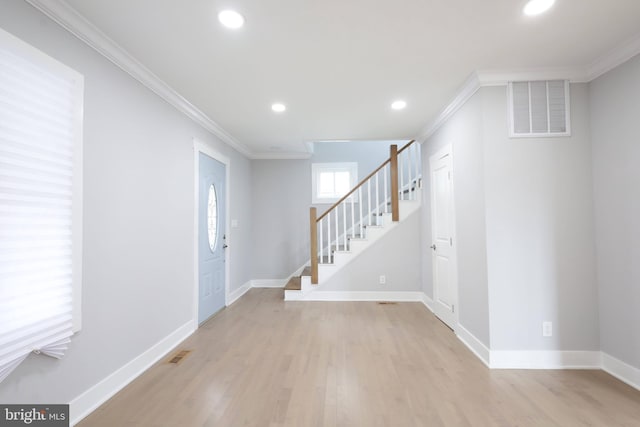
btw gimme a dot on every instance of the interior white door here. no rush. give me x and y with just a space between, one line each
442 230
211 237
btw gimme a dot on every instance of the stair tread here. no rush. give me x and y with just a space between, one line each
294 284
306 271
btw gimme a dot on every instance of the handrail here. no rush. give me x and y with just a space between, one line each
406 146
361 183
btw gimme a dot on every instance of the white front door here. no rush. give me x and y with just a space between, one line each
442 231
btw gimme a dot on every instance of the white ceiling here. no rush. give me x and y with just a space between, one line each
338 64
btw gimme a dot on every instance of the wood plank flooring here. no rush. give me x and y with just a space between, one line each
266 362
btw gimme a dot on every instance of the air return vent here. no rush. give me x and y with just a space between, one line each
539 109
179 356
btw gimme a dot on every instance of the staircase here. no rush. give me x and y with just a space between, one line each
369 211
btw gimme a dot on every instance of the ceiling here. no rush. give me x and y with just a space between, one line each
338 64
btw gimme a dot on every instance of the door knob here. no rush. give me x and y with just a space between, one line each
225 246
433 247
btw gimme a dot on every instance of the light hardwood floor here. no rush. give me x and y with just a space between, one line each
266 362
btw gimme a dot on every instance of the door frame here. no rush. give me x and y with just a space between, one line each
446 150
202 147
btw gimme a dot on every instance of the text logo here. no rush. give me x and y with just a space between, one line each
34 415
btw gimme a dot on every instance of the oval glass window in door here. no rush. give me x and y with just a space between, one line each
212 218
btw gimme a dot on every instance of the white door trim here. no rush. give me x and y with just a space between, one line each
444 151
201 147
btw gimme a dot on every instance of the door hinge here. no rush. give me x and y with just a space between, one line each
450 241
453 308
449 175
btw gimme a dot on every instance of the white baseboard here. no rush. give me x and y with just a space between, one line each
235 295
269 283
277 283
524 359
398 296
91 399
476 346
545 359
299 271
427 301
621 370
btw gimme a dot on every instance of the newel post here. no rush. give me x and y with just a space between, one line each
395 207
313 229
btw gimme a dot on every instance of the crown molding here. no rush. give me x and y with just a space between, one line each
502 77
67 17
468 89
485 78
614 58
310 147
581 74
280 155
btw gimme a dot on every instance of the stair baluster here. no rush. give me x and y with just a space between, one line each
360 206
344 224
329 253
384 174
353 219
320 227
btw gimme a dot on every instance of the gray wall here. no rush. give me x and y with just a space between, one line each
540 238
138 283
368 154
280 217
463 131
524 222
241 209
615 103
396 255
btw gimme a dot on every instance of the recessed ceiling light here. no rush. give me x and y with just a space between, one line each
536 7
398 105
278 108
231 19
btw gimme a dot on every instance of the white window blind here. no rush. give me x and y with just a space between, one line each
40 203
539 109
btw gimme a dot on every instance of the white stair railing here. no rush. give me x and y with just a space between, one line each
344 221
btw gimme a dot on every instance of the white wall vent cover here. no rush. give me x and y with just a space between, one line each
539 109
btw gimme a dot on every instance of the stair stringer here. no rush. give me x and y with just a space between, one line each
357 247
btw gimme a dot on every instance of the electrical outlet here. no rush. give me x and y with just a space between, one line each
234 223
383 280
547 329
